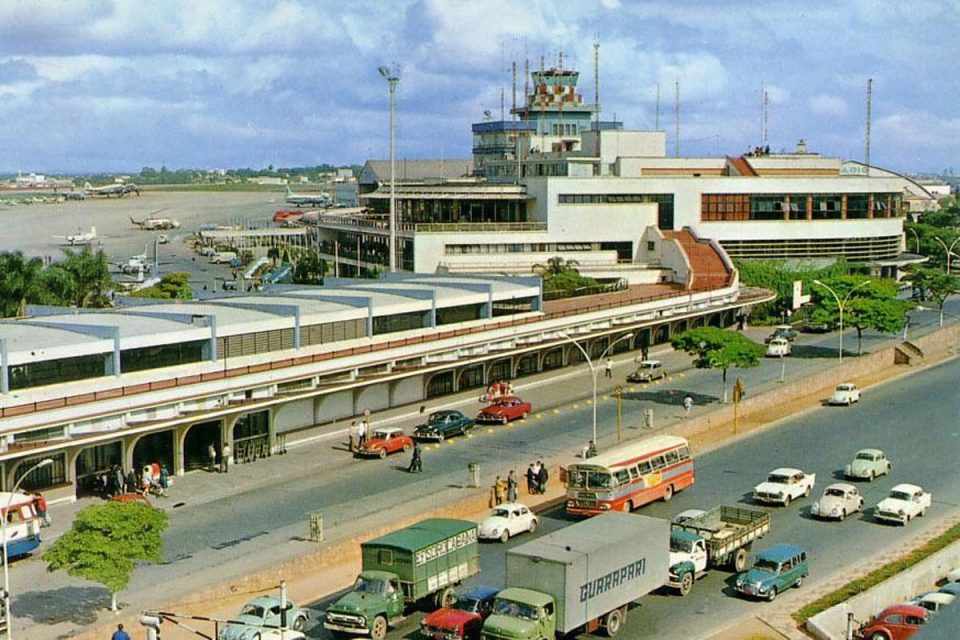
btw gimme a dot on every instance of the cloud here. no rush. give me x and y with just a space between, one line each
16 70
827 105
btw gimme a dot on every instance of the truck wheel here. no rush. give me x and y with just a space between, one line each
379 629
686 583
505 536
445 598
739 561
613 622
668 493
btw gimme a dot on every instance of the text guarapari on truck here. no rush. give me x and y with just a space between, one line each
581 578
629 477
417 564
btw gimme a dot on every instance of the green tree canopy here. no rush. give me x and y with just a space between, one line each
308 268
21 283
935 285
722 349
88 275
870 303
779 276
106 541
172 286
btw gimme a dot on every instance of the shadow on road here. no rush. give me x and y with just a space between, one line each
671 397
809 351
75 605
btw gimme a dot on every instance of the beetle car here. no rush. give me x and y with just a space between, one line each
776 569
647 371
784 331
898 622
846 394
905 502
778 348
264 610
868 464
464 619
504 410
784 485
384 441
507 520
934 601
443 424
838 501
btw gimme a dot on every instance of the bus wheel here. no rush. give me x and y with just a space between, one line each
613 622
668 493
627 506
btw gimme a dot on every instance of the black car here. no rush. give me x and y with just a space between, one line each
443 424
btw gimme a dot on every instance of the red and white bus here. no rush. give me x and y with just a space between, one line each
629 477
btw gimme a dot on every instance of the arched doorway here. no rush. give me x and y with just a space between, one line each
440 385
662 334
93 461
553 359
196 442
597 347
154 447
716 320
527 364
500 370
471 377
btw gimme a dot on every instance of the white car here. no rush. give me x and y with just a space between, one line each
783 485
778 347
845 394
838 501
905 502
507 520
934 601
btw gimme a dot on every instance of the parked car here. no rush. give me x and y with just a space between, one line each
384 441
934 601
647 371
784 485
443 424
263 610
778 348
504 410
868 464
784 331
953 588
506 521
838 501
689 514
898 622
775 570
463 620
846 394
905 502
810 326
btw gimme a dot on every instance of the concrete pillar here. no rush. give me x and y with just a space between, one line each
432 315
809 208
369 317
213 338
843 207
786 208
116 352
296 329
179 437
4 367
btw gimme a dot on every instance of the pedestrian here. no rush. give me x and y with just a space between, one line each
118 478
362 431
164 477
131 483
120 634
499 488
608 368
591 451
741 321
687 405
645 352
531 480
354 435
542 477
512 486
416 461
40 504
212 455
225 457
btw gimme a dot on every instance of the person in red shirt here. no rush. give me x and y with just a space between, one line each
40 504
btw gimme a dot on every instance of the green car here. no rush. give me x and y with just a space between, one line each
443 424
868 464
776 569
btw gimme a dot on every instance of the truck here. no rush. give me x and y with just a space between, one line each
720 537
580 578
223 257
418 565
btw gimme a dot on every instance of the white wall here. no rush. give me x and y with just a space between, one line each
406 391
333 407
376 397
294 415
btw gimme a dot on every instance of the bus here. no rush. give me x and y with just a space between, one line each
630 477
23 523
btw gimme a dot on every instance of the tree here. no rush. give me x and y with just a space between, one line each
308 268
172 286
715 348
89 274
106 541
935 285
872 305
21 283
556 266
779 276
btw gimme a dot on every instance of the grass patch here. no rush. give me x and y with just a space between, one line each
877 576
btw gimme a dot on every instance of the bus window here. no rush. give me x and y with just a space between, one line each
634 474
684 453
672 457
645 467
577 479
623 476
658 463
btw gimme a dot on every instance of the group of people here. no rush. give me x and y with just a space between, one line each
537 477
505 490
225 453
154 478
358 433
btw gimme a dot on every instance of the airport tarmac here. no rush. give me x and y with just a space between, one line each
34 229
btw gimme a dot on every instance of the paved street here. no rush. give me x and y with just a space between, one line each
257 516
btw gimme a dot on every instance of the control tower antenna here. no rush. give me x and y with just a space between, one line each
866 142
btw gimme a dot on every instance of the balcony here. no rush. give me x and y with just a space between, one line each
479 227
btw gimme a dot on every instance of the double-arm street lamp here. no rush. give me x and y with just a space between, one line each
948 250
46 462
392 77
593 371
841 305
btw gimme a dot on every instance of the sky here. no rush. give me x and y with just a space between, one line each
115 85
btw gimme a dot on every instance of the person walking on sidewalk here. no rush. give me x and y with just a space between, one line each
416 461
118 479
608 368
40 504
225 457
531 480
512 486
687 405
542 477
212 454
120 634
499 489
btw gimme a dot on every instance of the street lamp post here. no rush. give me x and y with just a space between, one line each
593 371
393 79
841 305
46 462
915 235
948 250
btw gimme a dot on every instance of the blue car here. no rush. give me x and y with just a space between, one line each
776 569
953 588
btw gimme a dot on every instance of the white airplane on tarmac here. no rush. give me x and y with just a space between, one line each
154 223
310 200
119 189
80 238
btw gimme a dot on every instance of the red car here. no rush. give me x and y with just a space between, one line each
504 410
464 619
384 441
898 622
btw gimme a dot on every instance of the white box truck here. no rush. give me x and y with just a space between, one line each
580 578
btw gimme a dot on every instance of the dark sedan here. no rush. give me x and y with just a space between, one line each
443 424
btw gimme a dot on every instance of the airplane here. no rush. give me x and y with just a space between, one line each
107 190
153 223
310 200
80 238
74 195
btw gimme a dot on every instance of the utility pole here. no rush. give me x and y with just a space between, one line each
393 79
866 141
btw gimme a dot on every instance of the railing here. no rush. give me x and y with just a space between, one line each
562 294
379 224
473 227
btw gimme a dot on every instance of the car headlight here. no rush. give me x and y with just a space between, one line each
902 512
571 503
604 507
495 531
761 588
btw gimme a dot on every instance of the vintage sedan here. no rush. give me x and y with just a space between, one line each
905 502
506 521
774 571
647 371
384 441
264 610
784 485
463 620
504 410
868 464
934 601
838 501
898 622
846 394
443 424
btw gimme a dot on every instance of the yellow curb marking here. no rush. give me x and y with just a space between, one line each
489 430
556 411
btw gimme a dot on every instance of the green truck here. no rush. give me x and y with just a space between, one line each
421 563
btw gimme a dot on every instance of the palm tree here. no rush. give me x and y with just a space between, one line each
555 266
90 275
21 283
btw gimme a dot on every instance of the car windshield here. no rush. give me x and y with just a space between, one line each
900 495
844 387
777 478
437 418
649 365
254 610
766 565
834 492
500 513
865 456
683 546
366 585
464 603
514 609
590 480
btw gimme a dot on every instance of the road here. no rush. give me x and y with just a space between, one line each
262 521
915 421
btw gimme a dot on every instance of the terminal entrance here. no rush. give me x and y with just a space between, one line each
94 461
154 448
197 442
251 436
440 385
500 370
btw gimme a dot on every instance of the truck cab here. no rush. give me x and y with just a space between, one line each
688 560
375 601
521 614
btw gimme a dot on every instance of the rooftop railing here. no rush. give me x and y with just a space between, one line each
473 227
